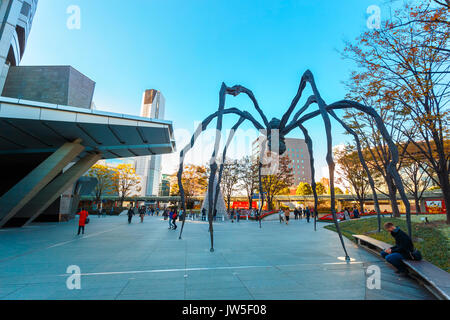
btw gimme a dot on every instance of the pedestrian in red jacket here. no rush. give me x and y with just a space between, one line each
82 221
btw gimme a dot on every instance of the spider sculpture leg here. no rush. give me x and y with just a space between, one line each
202 127
313 172
345 104
236 90
363 163
224 155
261 193
213 163
392 166
331 165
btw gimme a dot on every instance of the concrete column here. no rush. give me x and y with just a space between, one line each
19 195
55 188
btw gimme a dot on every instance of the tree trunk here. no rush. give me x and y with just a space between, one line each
417 203
361 205
269 203
445 187
443 172
393 197
250 202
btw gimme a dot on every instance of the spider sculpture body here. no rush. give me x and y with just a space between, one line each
275 132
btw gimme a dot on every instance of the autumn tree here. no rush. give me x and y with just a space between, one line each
417 179
104 175
277 180
195 183
338 190
352 174
248 177
230 178
304 189
403 71
320 188
125 182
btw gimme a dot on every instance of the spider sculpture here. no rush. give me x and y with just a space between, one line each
275 132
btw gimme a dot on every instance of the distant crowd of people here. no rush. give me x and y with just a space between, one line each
172 214
299 213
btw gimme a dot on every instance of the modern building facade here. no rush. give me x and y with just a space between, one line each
164 186
149 167
49 133
16 20
297 151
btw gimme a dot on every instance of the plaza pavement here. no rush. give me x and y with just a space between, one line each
147 261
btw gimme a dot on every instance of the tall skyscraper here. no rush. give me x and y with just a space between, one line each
149 167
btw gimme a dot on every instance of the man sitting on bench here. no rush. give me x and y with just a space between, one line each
402 249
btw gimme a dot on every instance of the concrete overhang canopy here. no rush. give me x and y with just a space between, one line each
36 127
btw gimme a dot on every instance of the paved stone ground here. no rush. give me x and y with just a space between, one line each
147 261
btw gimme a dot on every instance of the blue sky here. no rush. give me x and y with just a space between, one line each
187 48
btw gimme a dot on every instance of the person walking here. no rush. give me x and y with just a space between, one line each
142 214
174 219
287 215
130 214
238 215
204 214
346 214
82 220
308 214
181 215
170 218
295 214
257 215
280 215
355 213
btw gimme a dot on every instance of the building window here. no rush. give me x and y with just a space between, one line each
26 8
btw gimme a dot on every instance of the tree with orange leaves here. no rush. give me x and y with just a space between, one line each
125 182
195 183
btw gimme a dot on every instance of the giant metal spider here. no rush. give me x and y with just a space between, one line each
278 129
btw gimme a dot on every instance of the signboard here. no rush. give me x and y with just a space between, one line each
435 206
243 205
256 195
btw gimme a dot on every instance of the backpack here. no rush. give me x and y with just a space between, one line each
416 255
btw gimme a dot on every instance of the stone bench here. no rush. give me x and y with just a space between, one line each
434 279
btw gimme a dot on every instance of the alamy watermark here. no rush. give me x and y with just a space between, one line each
73 282
74 19
373 280
374 19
